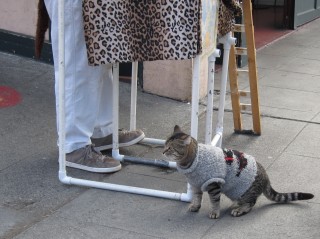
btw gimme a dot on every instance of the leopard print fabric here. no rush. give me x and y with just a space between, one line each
228 9
141 30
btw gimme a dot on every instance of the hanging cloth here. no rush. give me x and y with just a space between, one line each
228 10
141 30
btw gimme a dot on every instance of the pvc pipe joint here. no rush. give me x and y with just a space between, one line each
228 41
214 55
116 155
64 178
186 197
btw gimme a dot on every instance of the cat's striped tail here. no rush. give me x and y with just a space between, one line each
273 195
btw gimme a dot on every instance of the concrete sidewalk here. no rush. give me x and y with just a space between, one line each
34 204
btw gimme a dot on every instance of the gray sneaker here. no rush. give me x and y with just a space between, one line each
88 159
126 138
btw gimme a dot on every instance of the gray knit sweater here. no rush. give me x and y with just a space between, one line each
210 166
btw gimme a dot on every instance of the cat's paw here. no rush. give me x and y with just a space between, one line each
194 208
214 214
237 212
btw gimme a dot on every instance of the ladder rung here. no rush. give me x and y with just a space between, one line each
244 93
239 28
241 71
246 107
241 50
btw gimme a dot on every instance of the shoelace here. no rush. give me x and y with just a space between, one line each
124 131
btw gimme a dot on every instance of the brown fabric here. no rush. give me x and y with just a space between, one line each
228 9
141 30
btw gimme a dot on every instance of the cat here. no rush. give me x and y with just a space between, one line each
43 22
215 170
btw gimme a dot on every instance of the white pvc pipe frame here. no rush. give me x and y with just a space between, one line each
186 197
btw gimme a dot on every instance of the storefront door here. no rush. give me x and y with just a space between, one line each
305 11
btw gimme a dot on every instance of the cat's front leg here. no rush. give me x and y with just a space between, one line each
214 192
196 199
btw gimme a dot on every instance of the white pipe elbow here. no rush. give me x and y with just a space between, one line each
186 197
116 155
64 178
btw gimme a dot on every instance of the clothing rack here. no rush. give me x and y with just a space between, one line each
214 138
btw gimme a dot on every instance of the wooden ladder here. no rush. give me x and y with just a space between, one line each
236 94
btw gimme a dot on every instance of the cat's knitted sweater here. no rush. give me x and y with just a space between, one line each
210 166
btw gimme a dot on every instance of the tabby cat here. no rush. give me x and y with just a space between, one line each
216 170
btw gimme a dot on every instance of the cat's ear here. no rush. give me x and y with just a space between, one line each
187 140
177 129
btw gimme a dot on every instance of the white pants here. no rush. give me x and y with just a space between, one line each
88 89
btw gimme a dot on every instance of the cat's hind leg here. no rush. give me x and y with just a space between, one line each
196 199
249 198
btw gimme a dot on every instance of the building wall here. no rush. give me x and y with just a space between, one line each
18 19
173 79
19 16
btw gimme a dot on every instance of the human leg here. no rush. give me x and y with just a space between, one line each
82 82
102 134
88 89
